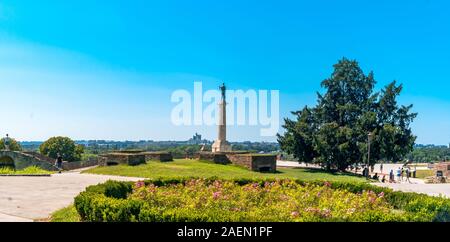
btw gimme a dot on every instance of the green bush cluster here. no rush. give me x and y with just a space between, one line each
32 170
63 146
179 201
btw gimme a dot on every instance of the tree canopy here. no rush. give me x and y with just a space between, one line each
63 146
335 133
13 145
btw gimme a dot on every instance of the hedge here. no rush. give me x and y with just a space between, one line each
108 202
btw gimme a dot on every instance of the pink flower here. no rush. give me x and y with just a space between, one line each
327 184
326 213
140 184
217 195
295 214
381 195
152 188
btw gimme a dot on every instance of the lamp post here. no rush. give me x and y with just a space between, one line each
369 139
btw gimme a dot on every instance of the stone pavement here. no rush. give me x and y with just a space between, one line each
416 185
296 164
25 199
429 189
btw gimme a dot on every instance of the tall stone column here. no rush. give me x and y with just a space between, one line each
222 120
221 144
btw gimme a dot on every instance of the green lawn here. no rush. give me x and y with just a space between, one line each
204 169
422 174
68 214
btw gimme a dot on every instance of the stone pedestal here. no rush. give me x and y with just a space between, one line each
221 146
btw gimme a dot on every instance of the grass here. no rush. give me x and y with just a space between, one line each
68 214
32 170
204 169
422 174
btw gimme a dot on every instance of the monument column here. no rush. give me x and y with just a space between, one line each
221 144
222 120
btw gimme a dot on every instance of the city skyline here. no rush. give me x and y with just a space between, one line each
106 70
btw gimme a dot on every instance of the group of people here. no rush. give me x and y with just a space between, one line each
401 174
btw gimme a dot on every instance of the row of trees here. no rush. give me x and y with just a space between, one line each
334 134
64 146
429 154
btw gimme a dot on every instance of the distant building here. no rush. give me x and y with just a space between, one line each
196 140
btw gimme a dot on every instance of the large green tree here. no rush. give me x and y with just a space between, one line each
63 146
334 134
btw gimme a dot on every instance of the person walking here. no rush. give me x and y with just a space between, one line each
391 177
415 172
399 174
59 162
408 174
403 172
381 168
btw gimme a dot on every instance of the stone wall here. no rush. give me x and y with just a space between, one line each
68 166
24 160
218 158
122 158
40 156
158 156
444 167
254 162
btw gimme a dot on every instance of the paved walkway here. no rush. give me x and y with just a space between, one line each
429 189
416 185
294 164
25 199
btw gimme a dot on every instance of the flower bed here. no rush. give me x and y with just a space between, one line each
201 200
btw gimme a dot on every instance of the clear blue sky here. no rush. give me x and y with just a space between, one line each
106 69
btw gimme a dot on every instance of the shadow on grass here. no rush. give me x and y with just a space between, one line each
322 171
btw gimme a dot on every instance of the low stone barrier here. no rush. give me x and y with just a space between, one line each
443 167
131 159
218 158
21 160
68 166
253 162
158 156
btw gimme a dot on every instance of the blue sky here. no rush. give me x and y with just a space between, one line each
106 69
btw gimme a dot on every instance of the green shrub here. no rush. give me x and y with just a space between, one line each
64 146
32 170
118 202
